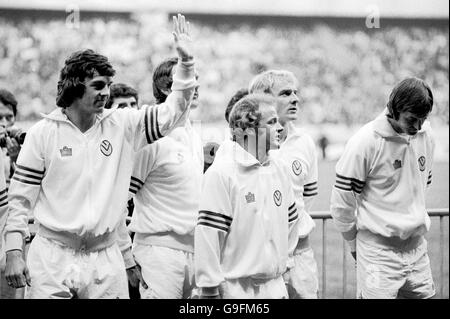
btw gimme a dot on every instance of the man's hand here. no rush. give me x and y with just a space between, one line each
16 271
182 38
134 275
13 148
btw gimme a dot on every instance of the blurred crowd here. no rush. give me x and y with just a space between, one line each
345 75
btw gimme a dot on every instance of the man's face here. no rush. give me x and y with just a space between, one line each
7 117
285 90
194 102
95 95
409 123
269 127
123 102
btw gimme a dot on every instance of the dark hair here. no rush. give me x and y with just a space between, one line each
234 99
162 79
410 95
77 68
8 99
120 90
246 112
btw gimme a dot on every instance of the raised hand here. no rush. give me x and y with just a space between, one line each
182 38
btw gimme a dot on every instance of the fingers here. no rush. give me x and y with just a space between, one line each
180 25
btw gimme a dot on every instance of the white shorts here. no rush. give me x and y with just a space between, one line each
168 272
302 281
386 273
248 288
58 271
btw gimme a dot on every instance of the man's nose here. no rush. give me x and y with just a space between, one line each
105 90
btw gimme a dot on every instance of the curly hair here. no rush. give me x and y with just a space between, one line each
120 90
79 66
8 99
410 95
162 79
234 99
246 113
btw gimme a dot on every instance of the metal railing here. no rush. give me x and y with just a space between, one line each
325 215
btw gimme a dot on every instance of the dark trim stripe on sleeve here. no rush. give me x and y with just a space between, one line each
207 212
310 194
147 136
3 192
215 220
292 206
156 125
31 170
24 181
352 179
293 212
291 219
213 226
134 179
310 185
227 223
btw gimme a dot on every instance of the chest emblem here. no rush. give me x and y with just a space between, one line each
296 167
250 198
106 148
397 164
66 151
277 197
422 163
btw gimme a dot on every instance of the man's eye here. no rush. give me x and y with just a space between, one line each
99 86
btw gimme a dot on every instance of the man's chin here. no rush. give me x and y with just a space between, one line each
194 104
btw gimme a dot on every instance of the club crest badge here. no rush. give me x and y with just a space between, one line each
106 148
250 198
277 197
297 167
66 151
422 162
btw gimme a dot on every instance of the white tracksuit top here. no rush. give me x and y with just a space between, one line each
381 181
166 182
78 182
299 151
247 220
3 206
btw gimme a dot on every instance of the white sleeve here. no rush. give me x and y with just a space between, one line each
214 221
151 123
310 188
293 220
24 188
351 173
143 164
124 242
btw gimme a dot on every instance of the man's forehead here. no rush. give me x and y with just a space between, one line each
267 111
97 77
284 84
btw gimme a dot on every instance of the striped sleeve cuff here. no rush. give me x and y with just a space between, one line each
430 176
152 132
27 175
310 189
3 198
293 214
349 184
135 185
214 220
